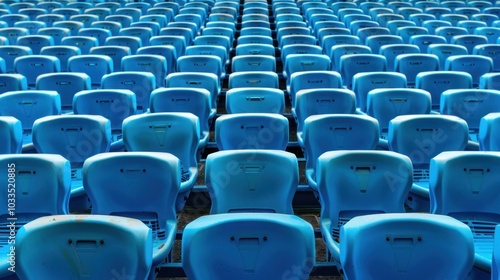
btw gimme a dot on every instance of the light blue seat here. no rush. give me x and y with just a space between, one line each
470 105
75 137
261 63
95 66
255 100
38 178
210 50
411 65
329 41
153 22
63 53
406 32
116 53
375 42
330 132
141 83
448 32
222 31
28 106
169 52
463 186
84 43
393 25
384 104
65 84
391 51
86 19
189 100
432 25
32 66
143 33
101 12
253 79
422 137
313 79
489 81
297 39
12 82
359 23
424 41
56 33
113 104
490 50
469 41
353 64
174 133
487 18
254 49
72 25
337 51
251 131
259 31
305 62
135 14
268 234
420 17
471 25
12 33
443 51
436 82
117 183
99 33
299 49
134 43
431 243
454 19
10 53
124 20
266 40
488 132
11 19
11 134
112 26
184 32
32 25
155 64
206 81
67 12
218 40
104 234
200 63
364 82
366 32
491 33
355 183
475 65
265 182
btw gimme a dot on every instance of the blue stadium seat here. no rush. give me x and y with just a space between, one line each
353 64
101 12
489 81
305 62
39 178
222 31
255 100
124 20
116 53
469 41
109 173
84 43
443 51
364 33
169 52
143 33
106 236
268 234
463 186
470 105
432 25
384 104
431 243
218 40
132 42
11 134
200 63
476 65
31 25
488 132
491 33
297 39
330 132
471 25
420 18
10 53
266 40
73 26
364 82
32 66
112 26
411 65
12 33
86 19
135 14
330 41
56 33
253 79
375 42
406 32
422 137
424 41
485 17
391 51
258 31
28 106
257 49
99 33
299 49
313 79
11 19
67 12
187 33
207 81
65 84
393 25
95 66
251 131
178 42
75 137
141 83
490 50
358 23
12 82
355 183
175 133
210 50
155 64
261 63
265 182
436 82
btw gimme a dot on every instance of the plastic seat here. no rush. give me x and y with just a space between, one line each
339 50
469 41
476 65
200 63
12 82
28 106
407 32
218 40
253 63
42 178
393 25
174 133
254 227
189 100
34 65
305 62
11 19
115 105
86 19
489 81
364 82
393 50
56 33
271 181
72 25
375 42
178 42
12 33
255 49
266 40
135 14
416 136
116 53
107 173
31 25
491 33
124 20
143 33
113 27
330 41
65 84
433 25
384 18
384 104
366 32
207 81
462 186
80 228
485 17
443 51
141 83
75 137
154 64
99 33
222 31
253 79
424 41
411 65
84 43
132 42
95 66
184 32
436 82
66 12
420 18
354 183
436 257
471 25
255 100
488 135
352 64
11 134
251 131
470 105
81 6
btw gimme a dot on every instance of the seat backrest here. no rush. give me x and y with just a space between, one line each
409 244
10 53
253 79
423 41
141 83
155 64
35 42
448 32
422 137
84 43
99 33
393 50
488 132
443 51
134 43
11 134
12 82
476 65
169 52
116 53
253 63
30 105
65 84
200 63
206 81
437 82
362 83
33 66
241 236
412 64
95 66
104 235
75 137
490 50
354 183
353 64
263 181
143 33
306 62
255 100
375 42
469 41
251 131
